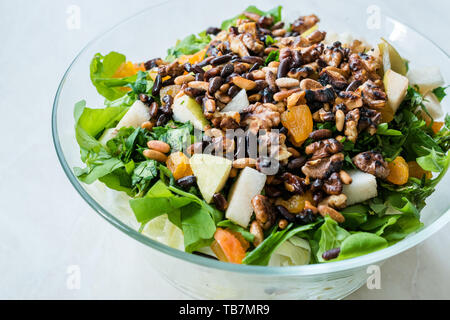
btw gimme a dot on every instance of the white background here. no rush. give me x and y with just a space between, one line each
45 226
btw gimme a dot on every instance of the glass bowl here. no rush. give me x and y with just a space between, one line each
147 35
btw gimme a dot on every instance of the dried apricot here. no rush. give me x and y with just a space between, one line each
178 164
296 203
399 171
299 123
416 171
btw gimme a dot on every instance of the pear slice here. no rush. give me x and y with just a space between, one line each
249 184
362 188
211 172
432 105
396 87
135 116
391 58
426 79
107 135
187 109
238 103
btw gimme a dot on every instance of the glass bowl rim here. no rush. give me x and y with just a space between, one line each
303 270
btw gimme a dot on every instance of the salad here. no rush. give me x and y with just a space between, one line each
263 142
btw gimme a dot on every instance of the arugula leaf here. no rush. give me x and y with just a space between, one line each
329 236
143 174
385 131
102 70
434 161
189 45
273 56
198 227
275 13
354 216
262 253
178 136
440 93
359 244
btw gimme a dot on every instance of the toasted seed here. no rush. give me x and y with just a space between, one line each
294 152
321 134
283 223
254 98
274 64
244 83
157 145
331 254
287 82
256 230
279 32
186 182
280 96
258 74
220 201
283 68
244 162
184 79
227 70
310 84
345 177
224 87
214 85
335 215
147 125
340 120
199 85
154 155
220 60
296 99
157 85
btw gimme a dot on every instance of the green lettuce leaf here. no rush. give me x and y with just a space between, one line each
359 244
189 45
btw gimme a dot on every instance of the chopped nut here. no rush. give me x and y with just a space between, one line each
373 163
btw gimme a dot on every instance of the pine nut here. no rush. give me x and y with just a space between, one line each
340 120
200 85
157 145
310 84
296 99
259 74
287 82
294 152
147 125
345 177
280 96
273 64
244 83
244 162
154 155
184 79
335 215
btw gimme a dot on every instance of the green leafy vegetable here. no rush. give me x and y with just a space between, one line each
329 236
189 45
230 225
273 56
262 253
440 93
359 244
275 13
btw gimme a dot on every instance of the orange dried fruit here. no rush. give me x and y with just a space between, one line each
416 171
296 203
228 247
399 171
436 126
178 164
299 123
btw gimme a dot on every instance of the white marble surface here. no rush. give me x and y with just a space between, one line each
45 226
